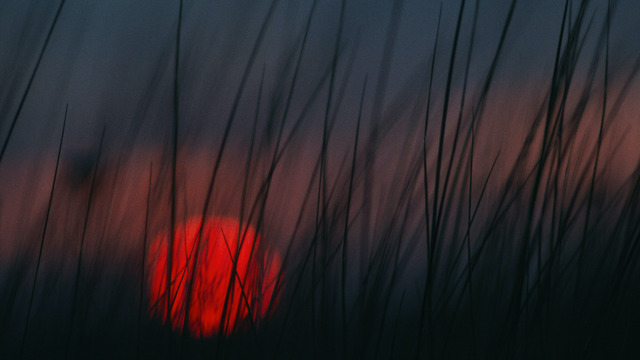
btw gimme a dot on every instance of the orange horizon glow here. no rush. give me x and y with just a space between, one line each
256 268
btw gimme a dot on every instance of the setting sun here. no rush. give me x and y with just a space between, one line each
216 302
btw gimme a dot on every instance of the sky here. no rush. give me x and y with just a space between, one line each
112 63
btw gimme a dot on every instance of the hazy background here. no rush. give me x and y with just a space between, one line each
113 64
112 61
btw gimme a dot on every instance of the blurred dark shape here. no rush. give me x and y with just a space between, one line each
79 168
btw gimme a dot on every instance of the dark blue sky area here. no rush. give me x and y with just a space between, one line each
112 61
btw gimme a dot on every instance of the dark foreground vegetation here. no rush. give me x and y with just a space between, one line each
471 211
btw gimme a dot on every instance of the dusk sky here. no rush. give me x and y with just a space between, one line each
478 199
104 56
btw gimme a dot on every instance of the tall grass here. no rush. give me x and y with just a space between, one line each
407 225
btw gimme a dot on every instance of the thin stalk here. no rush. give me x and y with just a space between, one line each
583 243
426 297
30 82
44 234
346 228
144 259
82 240
321 221
174 165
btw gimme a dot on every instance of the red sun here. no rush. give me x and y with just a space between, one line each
204 285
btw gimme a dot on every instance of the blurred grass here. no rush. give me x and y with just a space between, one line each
409 227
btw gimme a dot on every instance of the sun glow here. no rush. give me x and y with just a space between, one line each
216 298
